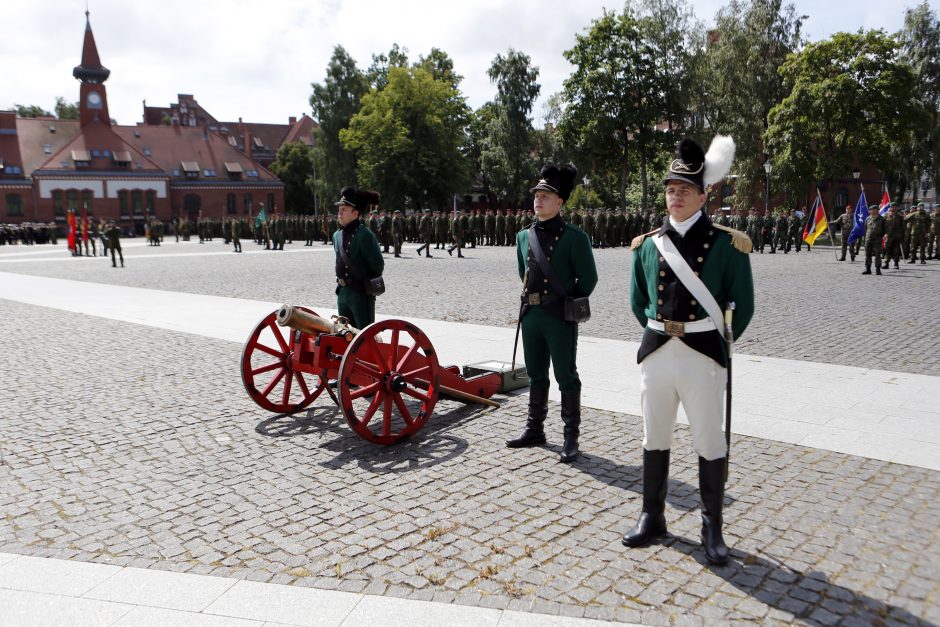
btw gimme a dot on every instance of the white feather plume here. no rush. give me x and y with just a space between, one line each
718 159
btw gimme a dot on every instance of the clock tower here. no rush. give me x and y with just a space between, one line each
93 100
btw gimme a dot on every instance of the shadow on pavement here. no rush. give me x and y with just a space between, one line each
808 596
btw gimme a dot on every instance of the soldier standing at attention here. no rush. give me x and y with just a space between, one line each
113 233
933 240
500 228
546 336
233 225
683 355
589 225
398 231
919 227
362 249
894 232
874 231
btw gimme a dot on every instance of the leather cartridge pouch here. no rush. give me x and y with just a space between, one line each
374 287
577 309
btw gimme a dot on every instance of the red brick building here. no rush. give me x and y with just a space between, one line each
122 173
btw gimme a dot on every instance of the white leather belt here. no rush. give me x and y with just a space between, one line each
678 329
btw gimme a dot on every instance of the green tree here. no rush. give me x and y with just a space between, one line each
439 65
65 110
408 138
849 103
739 82
477 137
294 166
614 96
30 111
377 74
506 156
920 48
334 103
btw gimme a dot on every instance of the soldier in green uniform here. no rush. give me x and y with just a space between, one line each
236 240
589 225
113 233
874 231
546 336
512 226
457 232
426 232
398 232
600 229
500 228
489 224
684 274
933 239
920 224
846 222
362 248
894 234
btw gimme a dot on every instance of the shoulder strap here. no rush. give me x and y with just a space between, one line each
692 283
739 240
353 268
544 265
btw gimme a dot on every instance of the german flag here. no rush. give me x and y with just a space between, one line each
816 222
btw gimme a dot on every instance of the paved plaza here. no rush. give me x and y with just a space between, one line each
131 450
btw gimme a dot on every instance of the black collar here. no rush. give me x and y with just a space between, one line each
553 225
352 226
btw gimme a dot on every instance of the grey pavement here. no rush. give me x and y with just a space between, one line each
136 447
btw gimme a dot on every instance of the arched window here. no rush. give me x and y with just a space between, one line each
58 202
192 203
726 191
151 200
71 198
247 203
137 201
124 202
231 205
88 200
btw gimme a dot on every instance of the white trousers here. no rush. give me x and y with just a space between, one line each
673 373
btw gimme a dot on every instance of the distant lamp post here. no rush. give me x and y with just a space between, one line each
856 173
587 182
768 167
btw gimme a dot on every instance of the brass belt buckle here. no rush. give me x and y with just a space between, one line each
534 299
673 328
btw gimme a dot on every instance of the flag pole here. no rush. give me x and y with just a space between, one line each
832 238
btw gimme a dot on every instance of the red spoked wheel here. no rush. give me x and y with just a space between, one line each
268 372
388 381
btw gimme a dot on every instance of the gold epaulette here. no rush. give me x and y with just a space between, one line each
638 240
738 239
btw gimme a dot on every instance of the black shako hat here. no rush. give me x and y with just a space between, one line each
696 167
689 164
358 199
558 179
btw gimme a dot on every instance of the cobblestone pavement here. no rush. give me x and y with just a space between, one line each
135 446
809 307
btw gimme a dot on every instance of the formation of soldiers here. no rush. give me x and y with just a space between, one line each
913 235
28 233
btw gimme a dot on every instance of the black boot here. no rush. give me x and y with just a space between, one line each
571 416
711 481
534 433
652 523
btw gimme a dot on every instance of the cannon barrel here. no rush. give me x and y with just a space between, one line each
300 320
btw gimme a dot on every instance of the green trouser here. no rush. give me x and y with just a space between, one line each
356 306
548 338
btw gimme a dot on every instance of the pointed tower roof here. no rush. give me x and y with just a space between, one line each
91 69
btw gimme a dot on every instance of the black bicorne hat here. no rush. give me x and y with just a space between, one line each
558 179
689 164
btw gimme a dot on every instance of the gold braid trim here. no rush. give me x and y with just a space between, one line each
738 239
638 240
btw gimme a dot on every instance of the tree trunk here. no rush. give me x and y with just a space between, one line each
643 174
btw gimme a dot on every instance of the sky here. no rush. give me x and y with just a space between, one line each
257 59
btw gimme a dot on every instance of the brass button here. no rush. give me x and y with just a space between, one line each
700 259
544 280
545 291
694 302
659 302
661 259
662 273
691 316
659 316
661 288
707 245
711 232
696 274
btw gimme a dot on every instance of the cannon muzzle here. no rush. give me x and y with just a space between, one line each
305 322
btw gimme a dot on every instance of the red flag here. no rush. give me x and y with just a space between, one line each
816 222
71 235
885 201
85 224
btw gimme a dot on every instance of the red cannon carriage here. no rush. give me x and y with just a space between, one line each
387 377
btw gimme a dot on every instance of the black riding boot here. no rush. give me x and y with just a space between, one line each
711 481
652 523
571 416
534 433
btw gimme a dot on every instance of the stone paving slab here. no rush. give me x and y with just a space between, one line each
133 446
809 306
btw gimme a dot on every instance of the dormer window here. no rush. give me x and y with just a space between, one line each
257 142
190 169
81 158
122 157
234 170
